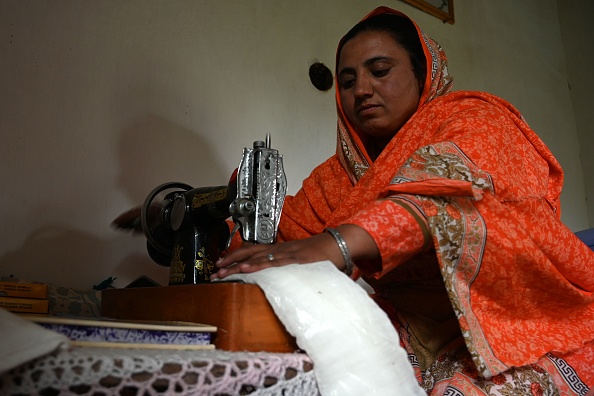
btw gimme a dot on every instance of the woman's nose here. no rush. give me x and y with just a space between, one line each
363 87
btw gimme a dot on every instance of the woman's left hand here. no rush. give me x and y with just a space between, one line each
254 258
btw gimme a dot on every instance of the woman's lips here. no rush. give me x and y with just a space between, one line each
366 110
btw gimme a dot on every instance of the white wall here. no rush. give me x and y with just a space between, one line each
104 100
575 17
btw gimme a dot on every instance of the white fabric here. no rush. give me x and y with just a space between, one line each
21 340
351 341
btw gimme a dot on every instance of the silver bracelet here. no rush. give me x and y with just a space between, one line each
348 263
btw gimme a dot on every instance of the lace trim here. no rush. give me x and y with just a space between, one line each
91 371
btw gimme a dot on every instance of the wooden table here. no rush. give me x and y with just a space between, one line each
244 318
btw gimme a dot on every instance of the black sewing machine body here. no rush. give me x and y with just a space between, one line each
188 230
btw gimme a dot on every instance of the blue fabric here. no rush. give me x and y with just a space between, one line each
587 236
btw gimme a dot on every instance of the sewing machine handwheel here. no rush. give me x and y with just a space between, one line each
158 249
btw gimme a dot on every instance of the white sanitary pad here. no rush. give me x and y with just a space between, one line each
354 346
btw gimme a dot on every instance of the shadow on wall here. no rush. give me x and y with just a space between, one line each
77 259
152 152
155 151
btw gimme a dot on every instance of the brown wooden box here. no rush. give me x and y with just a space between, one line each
244 318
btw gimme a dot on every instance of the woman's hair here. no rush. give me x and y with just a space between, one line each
403 31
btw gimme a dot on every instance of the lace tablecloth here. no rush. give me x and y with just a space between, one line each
104 371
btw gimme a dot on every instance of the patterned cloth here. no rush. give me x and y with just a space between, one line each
490 292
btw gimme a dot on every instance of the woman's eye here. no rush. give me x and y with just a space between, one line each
347 83
380 72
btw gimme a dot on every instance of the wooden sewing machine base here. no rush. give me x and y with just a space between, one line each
245 320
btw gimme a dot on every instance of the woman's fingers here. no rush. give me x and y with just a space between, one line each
258 257
243 260
240 254
250 264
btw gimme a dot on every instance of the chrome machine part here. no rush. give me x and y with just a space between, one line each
261 191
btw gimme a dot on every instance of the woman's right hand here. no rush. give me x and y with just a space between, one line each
319 247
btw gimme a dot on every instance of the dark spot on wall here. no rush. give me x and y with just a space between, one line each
320 76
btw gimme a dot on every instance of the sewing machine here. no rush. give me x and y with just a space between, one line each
186 227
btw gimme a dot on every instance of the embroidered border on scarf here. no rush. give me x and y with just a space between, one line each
454 373
569 375
441 81
352 158
460 235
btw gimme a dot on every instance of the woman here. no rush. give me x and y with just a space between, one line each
448 204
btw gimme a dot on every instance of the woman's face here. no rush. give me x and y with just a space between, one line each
377 85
